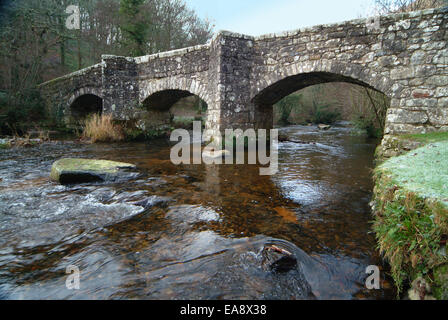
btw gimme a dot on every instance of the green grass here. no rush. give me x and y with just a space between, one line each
427 137
5 146
423 171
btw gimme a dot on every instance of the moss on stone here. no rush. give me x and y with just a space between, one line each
441 282
6 145
86 170
423 171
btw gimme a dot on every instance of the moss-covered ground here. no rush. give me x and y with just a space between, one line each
411 213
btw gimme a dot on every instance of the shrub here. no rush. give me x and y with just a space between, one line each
285 106
19 110
321 114
367 124
183 123
101 128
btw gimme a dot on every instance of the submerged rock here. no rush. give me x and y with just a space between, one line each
324 127
278 260
67 171
153 201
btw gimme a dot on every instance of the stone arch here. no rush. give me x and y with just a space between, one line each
83 102
157 96
170 90
288 79
285 80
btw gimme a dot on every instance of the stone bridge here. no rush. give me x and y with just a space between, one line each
240 77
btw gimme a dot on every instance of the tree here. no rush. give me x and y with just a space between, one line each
286 105
36 46
134 27
393 6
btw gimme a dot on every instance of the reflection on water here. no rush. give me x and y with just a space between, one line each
190 231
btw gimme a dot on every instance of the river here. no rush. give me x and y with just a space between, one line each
191 231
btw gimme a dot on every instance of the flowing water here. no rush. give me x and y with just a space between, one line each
191 231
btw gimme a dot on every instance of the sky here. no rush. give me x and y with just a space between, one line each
257 17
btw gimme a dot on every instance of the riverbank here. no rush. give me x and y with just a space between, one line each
410 206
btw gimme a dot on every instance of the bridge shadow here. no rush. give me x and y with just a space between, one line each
84 106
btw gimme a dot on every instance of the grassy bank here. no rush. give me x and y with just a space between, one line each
427 137
410 207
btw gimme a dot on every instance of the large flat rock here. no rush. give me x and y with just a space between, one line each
67 171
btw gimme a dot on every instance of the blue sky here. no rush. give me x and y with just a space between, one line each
256 17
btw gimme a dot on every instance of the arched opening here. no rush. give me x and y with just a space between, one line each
275 92
179 107
85 105
279 100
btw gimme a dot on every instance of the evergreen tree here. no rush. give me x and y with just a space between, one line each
134 28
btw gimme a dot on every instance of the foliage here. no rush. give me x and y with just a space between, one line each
322 114
18 111
101 128
407 231
367 125
183 123
156 133
369 110
133 26
200 106
286 105
394 6
328 102
5 145
36 46
133 133
427 137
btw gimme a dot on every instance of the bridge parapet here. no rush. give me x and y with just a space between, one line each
178 62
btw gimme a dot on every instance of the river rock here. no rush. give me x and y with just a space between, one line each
153 201
67 171
324 127
277 259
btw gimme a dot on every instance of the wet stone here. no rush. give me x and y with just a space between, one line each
153 201
71 171
278 260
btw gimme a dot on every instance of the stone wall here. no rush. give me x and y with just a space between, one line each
120 87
